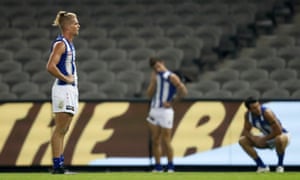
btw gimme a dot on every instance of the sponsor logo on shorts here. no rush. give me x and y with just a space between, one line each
68 107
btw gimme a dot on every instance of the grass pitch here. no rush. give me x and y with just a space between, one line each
155 176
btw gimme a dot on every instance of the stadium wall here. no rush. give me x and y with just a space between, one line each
110 135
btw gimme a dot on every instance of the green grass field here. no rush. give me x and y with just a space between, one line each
155 176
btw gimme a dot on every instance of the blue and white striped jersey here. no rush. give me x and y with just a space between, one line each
260 123
67 61
165 90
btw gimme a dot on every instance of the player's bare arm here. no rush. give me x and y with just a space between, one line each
276 127
151 88
182 90
58 50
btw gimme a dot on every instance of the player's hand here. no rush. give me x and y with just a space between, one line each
167 104
70 79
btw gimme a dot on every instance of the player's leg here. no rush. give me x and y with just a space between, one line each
62 123
281 143
248 146
166 137
156 145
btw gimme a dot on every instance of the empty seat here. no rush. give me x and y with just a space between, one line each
7 34
261 53
169 21
86 54
141 54
279 42
242 64
294 64
15 77
42 44
160 43
24 87
131 43
291 85
109 22
87 96
92 33
25 55
36 33
296 94
29 96
225 75
172 57
4 87
100 77
131 10
244 93
276 93
148 33
205 86
235 85
9 66
5 55
191 48
187 9
121 33
15 44
34 66
178 32
210 35
86 86
112 54
80 43
218 94
271 63
264 85
22 22
114 90
253 75
133 80
280 75
138 22
289 53
4 96
192 94
42 77
122 65
92 65
102 44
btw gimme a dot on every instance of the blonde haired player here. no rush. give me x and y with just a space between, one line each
61 65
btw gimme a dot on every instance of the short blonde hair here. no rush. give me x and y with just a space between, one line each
62 18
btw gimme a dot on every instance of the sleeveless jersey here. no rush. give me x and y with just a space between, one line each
165 90
67 61
260 123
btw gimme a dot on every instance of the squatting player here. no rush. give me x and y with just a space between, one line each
61 65
273 134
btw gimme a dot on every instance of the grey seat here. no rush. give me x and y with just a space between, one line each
262 53
271 63
42 77
4 87
178 32
112 54
102 44
291 85
121 65
141 54
296 94
131 43
192 94
7 34
87 86
253 75
109 22
148 33
15 44
244 93
100 77
5 55
280 75
289 53
225 75
217 94
92 96
29 96
119 33
114 90
294 64
9 66
205 86
281 42
276 93
25 55
210 35
160 43
86 54
264 85
92 65
34 66
133 80
15 77
172 57
36 33
242 64
235 85
191 48
42 44
8 96
22 22
24 87
93 33
168 21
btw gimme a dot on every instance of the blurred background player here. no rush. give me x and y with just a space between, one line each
61 65
273 134
163 87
